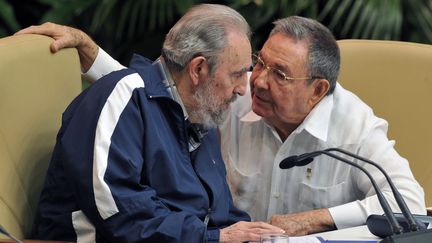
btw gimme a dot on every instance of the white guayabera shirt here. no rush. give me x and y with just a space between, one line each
252 151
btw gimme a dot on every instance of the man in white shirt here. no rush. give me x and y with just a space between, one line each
294 106
298 107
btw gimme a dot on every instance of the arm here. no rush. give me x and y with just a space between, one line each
95 62
116 201
304 223
377 147
112 190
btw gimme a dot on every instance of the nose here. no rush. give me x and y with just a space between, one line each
241 88
259 78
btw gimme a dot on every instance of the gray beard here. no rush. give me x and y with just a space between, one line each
209 112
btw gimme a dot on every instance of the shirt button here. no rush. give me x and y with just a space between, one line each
276 195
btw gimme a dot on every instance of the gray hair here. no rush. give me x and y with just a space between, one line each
324 58
202 31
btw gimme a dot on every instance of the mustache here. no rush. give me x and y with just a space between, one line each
232 99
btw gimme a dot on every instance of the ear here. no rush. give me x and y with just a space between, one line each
320 88
198 70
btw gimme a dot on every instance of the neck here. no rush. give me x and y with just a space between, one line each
187 92
173 81
283 129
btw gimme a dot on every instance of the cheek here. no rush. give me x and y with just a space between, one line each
252 78
282 100
291 107
286 101
221 93
222 83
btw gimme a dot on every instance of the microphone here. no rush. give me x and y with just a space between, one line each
294 160
304 158
418 234
413 224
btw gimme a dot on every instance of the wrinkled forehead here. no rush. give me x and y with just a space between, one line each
285 52
237 53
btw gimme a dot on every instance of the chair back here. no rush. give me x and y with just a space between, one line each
395 79
35 88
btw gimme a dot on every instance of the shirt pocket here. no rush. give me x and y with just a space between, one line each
314 197
244 187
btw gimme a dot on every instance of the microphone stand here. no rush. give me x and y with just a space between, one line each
394 224
413 225
420 236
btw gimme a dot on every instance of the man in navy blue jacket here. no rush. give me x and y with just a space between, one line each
137 157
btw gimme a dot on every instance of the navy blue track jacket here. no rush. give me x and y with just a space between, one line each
121 170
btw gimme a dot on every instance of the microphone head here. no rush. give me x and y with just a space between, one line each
294 160
304 162
288 162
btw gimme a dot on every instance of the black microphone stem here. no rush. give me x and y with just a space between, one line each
398 197
395 226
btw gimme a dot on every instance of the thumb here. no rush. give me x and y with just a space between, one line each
57 45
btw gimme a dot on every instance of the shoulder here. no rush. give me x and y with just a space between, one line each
351 118
110 90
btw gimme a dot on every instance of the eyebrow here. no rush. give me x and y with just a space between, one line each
281 67
243 70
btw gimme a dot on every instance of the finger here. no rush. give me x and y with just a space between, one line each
267 231
27 30
34 30
44 29
54 47
264 225
61 43
253 236
260 227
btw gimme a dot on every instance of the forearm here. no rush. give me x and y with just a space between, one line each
378 148
305 223
101 66
355 213
68 37
87 50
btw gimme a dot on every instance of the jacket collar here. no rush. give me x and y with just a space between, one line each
157 79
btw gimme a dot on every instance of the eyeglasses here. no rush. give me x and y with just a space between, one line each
279 76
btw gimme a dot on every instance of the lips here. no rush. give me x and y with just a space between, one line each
260 97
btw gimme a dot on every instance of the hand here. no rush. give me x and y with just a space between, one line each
304 223
247 231
67 37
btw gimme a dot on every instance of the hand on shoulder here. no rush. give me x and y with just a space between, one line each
67 37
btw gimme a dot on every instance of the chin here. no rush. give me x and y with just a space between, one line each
225 107
259 110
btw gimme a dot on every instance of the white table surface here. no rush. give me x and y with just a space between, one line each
355 233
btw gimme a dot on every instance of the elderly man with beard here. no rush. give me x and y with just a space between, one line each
295 106
137 157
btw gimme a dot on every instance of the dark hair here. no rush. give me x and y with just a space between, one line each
324 57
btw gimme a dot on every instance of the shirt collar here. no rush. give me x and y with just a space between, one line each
170 84
196 131
316 122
